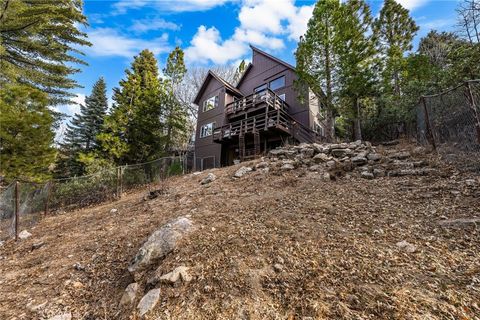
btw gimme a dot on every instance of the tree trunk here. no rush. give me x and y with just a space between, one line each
356 121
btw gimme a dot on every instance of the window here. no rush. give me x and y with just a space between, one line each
206 130
261 88
282 96
210 103
277 83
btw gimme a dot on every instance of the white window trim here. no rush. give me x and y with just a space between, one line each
215 104
205 125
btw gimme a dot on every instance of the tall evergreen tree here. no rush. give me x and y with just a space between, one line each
175 113
82 131
134 131
356 55
38 42
26 138
394 31
316 57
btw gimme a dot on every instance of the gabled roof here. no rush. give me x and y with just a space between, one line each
289 66
207 79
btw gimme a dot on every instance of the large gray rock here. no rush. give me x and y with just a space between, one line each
367 175
400 155
340 153
242 171
161 242
307 152
148 302
321 157
209 178
24 235
130 294
374 156
277 152
359 160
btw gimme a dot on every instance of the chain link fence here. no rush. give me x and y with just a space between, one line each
450 123
22 203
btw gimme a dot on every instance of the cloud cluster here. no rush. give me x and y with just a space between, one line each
109 42
263 23
122 6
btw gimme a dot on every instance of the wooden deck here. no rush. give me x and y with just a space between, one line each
266 98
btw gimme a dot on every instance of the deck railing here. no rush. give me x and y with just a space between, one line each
266 96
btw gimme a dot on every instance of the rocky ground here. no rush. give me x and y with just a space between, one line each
347 231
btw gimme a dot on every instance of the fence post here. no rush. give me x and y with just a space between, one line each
475 109
47 198
431 138
17 208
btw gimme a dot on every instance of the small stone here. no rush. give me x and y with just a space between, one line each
148 302
24 235
287 166
130 294
331 164
77 285
406 246
177 274
307 152
326 176
207 289
261 165
38 245
470 182
400 155
278 267
280 260
242 171
314 168
114 210
64 316
367 175
79 267
378 173
209 178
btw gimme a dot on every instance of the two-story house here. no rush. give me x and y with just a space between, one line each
260 113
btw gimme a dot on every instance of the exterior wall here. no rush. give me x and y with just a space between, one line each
206 147
264 70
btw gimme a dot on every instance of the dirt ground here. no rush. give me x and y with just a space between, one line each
335 242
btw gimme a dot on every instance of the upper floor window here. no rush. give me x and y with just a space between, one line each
277 83
282 96
210 103
206 130
261 88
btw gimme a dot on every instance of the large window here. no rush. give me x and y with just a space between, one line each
206 130
277 83
210 103
282 96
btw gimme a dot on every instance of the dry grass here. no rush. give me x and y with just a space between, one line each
335 240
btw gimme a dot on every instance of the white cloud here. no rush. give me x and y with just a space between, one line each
145 25
207 45
412 4
109 42
262 23
122 6
79 99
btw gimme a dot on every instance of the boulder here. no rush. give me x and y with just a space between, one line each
359 160
130 294
209 178
177 274
277 152
307 152
287 166
24 235
261 165
340 153
367 175
377 172
161 242
242 171
315 167
148 302
321 157
374 157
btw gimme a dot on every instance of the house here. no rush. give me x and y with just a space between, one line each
260 113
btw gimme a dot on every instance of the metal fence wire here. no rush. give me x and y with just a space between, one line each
450 122
22 204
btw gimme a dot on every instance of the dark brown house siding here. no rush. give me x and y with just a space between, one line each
263 70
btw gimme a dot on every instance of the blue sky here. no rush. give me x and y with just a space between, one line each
210 31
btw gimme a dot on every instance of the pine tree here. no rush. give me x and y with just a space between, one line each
26 138
176 114
356 54
394 31
81 133
316 57
39 42
134 131
239 72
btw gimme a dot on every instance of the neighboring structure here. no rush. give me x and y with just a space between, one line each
260 113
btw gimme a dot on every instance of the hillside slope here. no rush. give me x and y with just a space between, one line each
269 245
